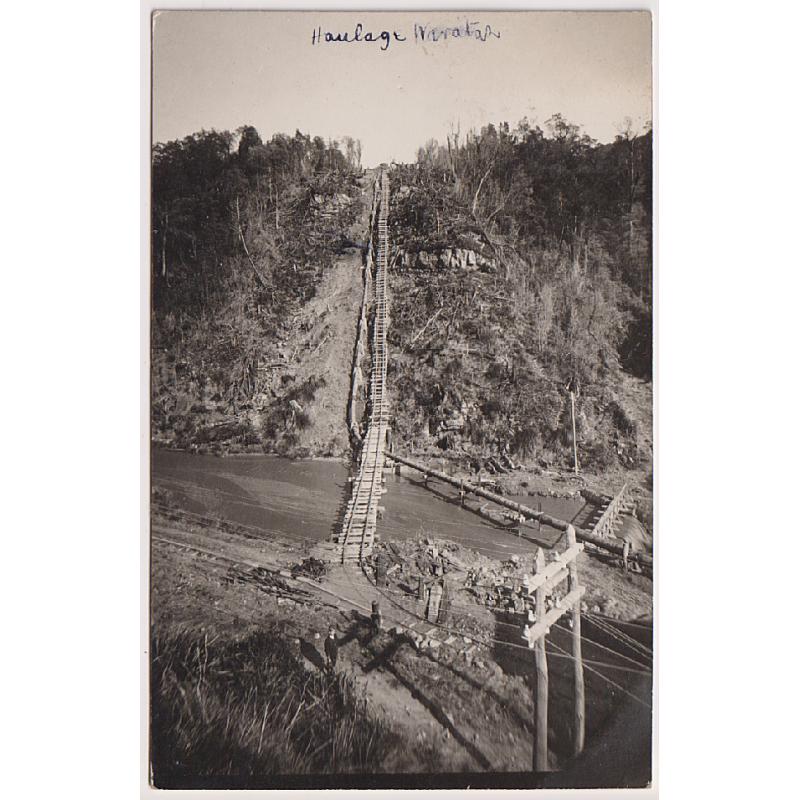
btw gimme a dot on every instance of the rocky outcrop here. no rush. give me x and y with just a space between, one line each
449 258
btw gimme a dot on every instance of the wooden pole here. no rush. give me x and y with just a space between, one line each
540 656
574 434
579 727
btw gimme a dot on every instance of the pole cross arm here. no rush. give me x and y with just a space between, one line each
551 617
556 579
553 568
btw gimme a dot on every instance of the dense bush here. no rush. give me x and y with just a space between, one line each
565 224
242 232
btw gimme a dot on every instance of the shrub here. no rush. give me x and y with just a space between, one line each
302 420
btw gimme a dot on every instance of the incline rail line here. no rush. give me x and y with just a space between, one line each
360 519
361 335
355 540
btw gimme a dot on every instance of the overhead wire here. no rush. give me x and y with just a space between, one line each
518 626
480 639
603 647
606 679
615 633
221 525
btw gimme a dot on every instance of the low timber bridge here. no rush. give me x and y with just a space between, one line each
357 535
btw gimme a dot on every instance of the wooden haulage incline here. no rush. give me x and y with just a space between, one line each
360 519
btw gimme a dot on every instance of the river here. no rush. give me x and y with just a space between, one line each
304 499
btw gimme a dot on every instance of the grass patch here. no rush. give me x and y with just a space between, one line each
246 708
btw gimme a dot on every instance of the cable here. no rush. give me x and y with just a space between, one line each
644 667
632 623
637 647
608 680
472 637
616 634
220 525
193 489
624 636
603 647
500 642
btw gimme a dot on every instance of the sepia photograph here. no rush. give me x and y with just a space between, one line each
401 453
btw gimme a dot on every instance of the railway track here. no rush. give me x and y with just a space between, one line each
357 535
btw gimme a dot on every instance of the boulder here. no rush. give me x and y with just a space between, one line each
425 260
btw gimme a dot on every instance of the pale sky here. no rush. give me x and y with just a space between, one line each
223 69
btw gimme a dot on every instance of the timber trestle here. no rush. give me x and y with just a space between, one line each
357 535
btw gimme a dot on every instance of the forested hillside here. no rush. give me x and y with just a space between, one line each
523 271
242 233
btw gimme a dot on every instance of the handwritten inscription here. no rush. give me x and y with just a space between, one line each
358 35
422 34
469 30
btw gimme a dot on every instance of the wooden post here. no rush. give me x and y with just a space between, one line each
540 761
580 702
574 434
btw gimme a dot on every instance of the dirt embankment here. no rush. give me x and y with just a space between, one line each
306 412
299 404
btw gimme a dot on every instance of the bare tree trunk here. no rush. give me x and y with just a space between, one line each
164 246
586 255
480 186
244 245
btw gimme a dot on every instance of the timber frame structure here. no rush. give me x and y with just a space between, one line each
544 615
357 535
